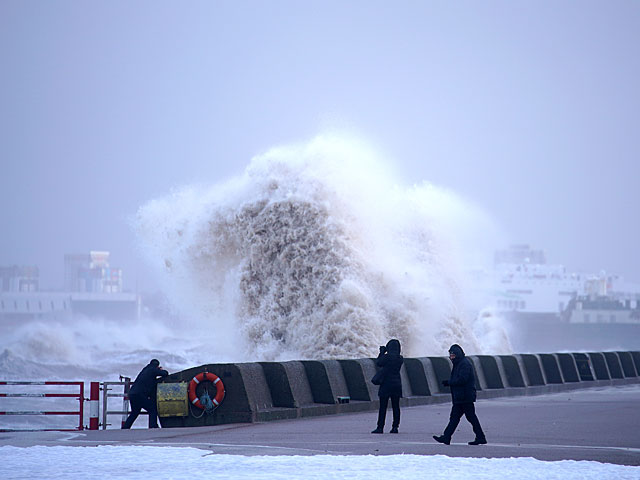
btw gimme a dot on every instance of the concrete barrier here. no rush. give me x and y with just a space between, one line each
585 369
568 367
512 373
613 362
279 390
247 396
636 360
550 368
532 369
288 384
481 382
417 376
599 366
491 372
442 370
358 374
326 379
430 373
406 383
628 368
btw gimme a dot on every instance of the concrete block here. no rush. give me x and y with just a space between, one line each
246 396
585 369
600 366
491 371
358 374
568 367
613 362
417 376
406 383
326 380
432 379
481 382
287 383
628 368
636 360
512 372
532 369
550 368
442 369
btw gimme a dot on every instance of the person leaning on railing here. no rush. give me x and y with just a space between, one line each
143 394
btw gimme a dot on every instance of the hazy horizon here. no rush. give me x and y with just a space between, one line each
528 111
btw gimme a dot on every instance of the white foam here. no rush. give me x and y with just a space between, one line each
316 251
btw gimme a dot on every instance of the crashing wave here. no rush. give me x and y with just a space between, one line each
314 252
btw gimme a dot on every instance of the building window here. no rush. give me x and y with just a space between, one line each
40 305
52 307
27 302
586 318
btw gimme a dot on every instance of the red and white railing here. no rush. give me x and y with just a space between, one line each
106 389
79 396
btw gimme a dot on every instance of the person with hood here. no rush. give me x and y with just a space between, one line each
389 361
463 393
143 394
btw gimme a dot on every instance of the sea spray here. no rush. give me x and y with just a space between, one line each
315 251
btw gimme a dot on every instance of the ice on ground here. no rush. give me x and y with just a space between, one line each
142 462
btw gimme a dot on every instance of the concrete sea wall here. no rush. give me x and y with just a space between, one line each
257 392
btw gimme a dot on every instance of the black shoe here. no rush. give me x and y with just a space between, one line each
394 430
377 430
442 439
479 441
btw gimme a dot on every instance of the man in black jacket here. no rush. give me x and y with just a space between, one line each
463 393
143 394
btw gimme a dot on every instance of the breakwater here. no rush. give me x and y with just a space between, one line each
265 391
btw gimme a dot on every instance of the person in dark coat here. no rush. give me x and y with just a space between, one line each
463 393
390 361
143 394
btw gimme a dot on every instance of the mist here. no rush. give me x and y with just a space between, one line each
400 144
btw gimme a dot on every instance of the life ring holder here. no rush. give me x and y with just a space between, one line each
205 377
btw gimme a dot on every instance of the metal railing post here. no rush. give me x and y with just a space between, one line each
94 406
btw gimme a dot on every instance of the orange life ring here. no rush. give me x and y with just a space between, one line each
210 377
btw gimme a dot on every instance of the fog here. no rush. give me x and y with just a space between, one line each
529 111
425 136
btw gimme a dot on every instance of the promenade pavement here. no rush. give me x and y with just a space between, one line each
600 424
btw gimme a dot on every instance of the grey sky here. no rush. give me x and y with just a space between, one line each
529 109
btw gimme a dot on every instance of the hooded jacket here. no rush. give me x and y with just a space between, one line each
390 361
463 378
145 382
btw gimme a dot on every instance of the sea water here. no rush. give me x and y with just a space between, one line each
316 250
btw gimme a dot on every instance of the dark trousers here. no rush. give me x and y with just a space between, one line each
382 413
469 411
138 402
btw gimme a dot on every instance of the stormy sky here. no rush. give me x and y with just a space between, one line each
528 109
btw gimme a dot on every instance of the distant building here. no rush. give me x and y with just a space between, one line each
19 279
91 273
92 290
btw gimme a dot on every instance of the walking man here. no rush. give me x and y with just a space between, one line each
143 394
463 393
